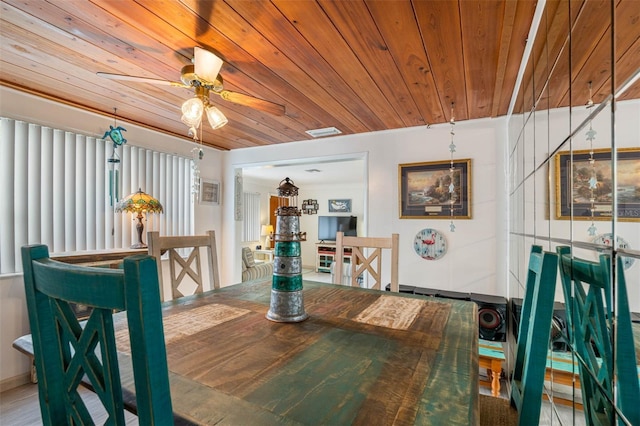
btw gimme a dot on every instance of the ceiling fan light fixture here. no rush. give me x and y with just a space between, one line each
190 121
216 118
206 65
192 109
193 125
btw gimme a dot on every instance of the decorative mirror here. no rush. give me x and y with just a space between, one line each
310 206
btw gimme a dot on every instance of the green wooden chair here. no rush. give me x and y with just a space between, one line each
604 348
533 335
66 351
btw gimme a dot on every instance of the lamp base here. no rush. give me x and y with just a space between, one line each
139 228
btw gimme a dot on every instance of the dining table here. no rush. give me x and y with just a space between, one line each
363 357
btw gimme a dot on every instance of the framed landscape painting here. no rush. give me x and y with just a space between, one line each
424 190
577 195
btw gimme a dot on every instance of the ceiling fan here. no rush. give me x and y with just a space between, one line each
203 76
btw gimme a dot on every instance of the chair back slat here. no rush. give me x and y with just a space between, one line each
605 347
55 280
181 267
533 335
366 256
67 352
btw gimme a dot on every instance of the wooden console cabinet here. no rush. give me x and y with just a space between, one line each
325 254
104 258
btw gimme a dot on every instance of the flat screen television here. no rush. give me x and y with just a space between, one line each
329 225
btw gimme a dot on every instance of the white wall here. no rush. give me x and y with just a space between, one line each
14 366
471 262
20 106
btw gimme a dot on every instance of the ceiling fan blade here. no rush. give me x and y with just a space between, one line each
206 64
250 101
139 79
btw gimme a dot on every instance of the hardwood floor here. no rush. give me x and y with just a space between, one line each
19 407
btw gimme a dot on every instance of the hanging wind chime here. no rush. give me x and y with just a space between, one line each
452 188
197 155
593 180
115 134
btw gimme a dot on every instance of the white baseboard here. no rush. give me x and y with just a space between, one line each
14 382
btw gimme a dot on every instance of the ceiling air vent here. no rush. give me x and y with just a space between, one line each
327 131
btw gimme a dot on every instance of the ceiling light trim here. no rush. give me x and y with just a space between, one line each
326 131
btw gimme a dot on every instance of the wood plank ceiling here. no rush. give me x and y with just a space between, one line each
358 65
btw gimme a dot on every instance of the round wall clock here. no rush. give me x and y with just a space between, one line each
430 244
607 240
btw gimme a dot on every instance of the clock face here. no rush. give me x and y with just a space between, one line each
607 240
430 244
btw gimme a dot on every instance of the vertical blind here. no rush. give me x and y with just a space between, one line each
251 210
54 190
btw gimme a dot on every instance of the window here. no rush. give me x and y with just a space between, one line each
251 210
54 189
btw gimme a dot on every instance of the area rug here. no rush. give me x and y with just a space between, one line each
181 324
392 312
495 411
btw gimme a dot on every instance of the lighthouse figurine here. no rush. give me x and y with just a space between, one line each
287 304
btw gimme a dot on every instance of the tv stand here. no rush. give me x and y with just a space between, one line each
326 253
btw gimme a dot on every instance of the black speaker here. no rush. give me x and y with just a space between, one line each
453 295
558 324
492 316
515 311
431 292
403 288
559 328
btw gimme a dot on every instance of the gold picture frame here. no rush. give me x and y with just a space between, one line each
423 190
574 201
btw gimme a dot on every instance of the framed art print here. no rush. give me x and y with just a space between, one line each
573 199
340 206
424 190
209 192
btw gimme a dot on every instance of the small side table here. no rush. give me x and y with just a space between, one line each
491 358
268 254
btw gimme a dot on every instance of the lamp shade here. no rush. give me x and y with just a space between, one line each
216 117
192 110
206 64
139 202
266 229
191 122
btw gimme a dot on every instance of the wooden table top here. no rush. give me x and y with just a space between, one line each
363 357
